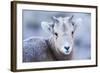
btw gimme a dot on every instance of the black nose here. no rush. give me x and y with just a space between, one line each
67 48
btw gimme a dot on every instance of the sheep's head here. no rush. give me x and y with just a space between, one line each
62 30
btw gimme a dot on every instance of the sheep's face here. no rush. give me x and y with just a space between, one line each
62 29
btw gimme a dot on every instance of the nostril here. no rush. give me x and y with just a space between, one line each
67 48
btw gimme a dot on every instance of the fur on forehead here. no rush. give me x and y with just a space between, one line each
63 18
62 24
63 21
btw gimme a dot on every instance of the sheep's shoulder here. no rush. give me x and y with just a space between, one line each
36 49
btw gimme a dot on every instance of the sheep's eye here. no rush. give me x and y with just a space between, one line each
72 32
56 34
72 23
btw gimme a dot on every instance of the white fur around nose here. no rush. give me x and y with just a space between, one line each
64 51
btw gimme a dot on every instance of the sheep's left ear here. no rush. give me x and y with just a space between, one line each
54 18
47 26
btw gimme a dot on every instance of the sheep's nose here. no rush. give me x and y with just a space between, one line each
67 48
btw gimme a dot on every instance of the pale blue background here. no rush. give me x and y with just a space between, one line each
31 27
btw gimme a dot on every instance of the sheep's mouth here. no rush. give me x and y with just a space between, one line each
67 52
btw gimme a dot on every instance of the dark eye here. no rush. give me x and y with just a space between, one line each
56 34
72 32
72 23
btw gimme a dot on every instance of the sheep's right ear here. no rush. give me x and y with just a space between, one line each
47 27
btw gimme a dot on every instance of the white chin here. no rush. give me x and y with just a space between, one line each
67 53
63 51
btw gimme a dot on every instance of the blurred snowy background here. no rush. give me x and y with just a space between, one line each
82 37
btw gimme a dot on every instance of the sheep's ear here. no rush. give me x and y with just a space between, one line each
47 26
55 19
71 17
76 23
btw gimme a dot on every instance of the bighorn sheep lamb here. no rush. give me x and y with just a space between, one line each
58 47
